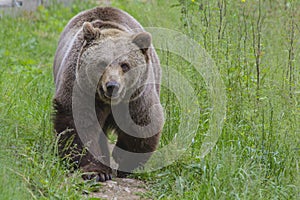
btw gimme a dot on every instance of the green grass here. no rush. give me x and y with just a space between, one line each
257 155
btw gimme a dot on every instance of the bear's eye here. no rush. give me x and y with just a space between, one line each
125 67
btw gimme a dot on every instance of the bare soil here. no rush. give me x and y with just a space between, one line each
122 189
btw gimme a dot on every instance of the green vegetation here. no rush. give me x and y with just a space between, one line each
255 45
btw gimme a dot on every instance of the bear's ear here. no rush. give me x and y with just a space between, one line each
89 32
142 40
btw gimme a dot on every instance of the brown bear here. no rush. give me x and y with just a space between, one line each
107 76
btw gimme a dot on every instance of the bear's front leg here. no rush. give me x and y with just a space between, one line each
71 148
94 169
132 152
97 167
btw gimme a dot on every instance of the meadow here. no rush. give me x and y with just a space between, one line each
255 47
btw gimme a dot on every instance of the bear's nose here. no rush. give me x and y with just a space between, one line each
112 88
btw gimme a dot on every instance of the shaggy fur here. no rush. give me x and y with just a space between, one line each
102 40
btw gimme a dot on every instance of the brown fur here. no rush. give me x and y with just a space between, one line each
78 48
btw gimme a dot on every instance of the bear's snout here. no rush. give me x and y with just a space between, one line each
112 89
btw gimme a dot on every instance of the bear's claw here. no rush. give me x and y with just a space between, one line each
100 177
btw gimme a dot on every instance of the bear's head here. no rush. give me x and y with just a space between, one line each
116 61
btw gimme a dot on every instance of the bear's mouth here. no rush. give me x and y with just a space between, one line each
110 98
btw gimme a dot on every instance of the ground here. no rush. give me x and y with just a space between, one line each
121 188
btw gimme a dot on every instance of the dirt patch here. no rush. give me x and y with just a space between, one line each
122 189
